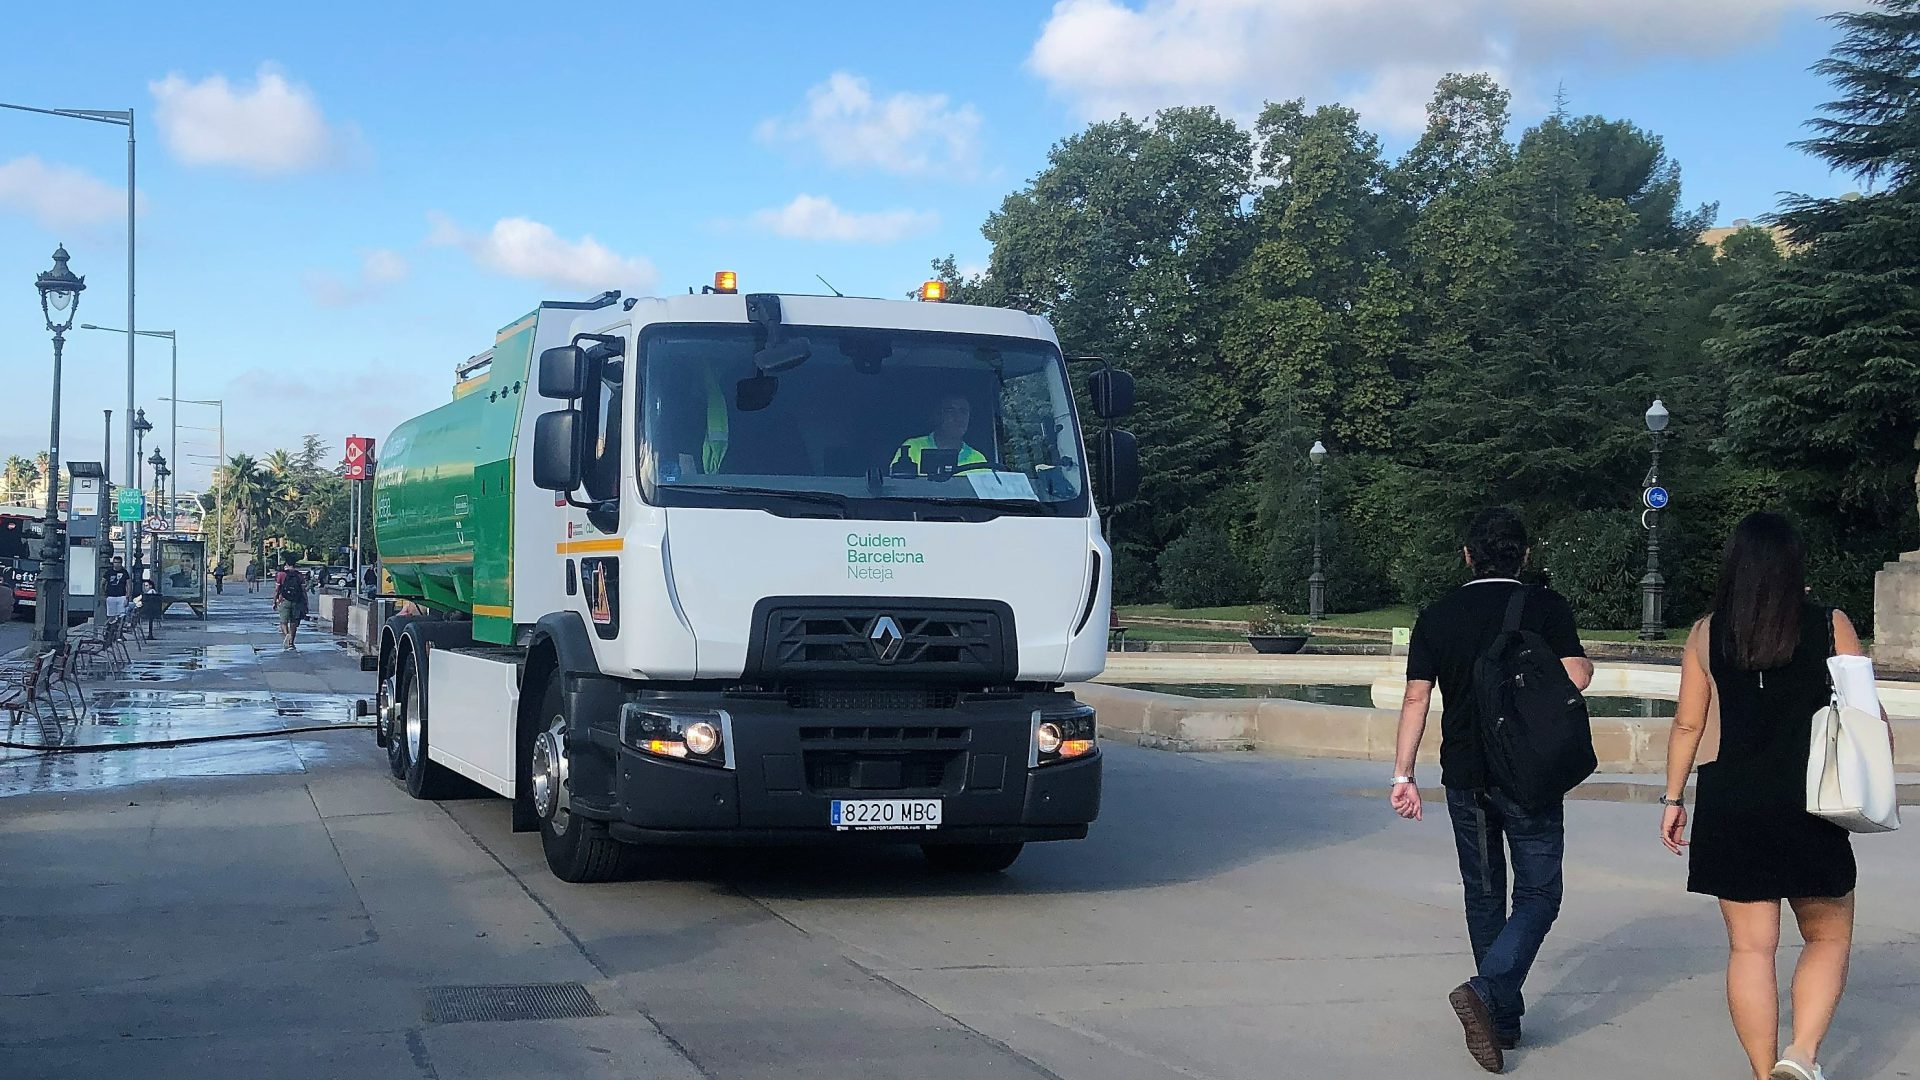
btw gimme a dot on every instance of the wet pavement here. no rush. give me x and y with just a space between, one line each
196 679
280 909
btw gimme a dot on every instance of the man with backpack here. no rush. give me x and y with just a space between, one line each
1514 739
290 599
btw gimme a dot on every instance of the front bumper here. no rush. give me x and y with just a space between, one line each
791 763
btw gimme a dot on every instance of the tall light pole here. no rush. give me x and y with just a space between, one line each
219 490
173 441
59 302
1317 582
137 477
1653 496
159 463
105 542
120 118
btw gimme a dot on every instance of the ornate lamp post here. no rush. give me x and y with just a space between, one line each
159 462
1653 587
140 426
60 293
1317 581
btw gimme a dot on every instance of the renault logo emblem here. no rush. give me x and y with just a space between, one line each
887 640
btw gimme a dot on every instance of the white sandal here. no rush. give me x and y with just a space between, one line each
1789 1069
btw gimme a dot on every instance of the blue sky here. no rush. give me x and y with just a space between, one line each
341 201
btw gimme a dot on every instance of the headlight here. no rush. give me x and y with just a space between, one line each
695 735
702 738
1063 734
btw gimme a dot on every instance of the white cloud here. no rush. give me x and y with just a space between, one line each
816 217
1111 56
274 126
380 269
904 133
60 196
524 248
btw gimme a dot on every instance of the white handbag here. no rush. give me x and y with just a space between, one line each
1850 778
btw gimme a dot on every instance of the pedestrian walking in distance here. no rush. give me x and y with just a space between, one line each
1757 666
253 575
150 605
115 587
1474 643
290 599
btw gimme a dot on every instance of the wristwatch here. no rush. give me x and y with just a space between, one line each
1402 780
1664 801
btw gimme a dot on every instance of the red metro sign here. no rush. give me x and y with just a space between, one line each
359 459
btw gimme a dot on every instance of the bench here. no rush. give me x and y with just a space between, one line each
1116 632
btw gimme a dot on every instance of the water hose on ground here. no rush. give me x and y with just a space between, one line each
161 744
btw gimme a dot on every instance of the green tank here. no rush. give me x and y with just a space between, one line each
443 493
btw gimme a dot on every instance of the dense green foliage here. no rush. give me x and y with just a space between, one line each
1482 321
290 501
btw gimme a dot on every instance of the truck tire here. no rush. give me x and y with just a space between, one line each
578 850
390 688
425 779
971 858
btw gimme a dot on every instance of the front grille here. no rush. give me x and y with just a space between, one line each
877 698
863 640
857 772
870 735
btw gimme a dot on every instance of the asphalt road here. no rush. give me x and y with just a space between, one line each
1233 917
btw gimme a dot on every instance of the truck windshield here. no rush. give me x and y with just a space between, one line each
875 423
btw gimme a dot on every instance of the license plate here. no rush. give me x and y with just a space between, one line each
850 814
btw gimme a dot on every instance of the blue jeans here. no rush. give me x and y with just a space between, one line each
1506 942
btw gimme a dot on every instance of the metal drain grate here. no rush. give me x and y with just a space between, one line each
528 1001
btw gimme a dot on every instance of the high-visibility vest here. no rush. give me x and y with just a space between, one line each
913 448
713 448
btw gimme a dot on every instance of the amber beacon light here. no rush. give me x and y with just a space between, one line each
726 281
933 291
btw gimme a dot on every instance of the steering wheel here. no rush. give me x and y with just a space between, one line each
972 466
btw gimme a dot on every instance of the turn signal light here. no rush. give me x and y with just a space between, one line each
726 281
665 747
933 291
1073 748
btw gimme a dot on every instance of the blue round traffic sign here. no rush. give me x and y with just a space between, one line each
1656 498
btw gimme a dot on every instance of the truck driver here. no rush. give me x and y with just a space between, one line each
950 420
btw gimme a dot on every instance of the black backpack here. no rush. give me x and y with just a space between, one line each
1533 723
293 587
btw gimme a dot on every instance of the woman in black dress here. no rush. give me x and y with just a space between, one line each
1759 665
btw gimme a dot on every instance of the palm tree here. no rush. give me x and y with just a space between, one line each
17 478
242 483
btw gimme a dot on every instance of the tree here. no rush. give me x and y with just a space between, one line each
1319 318
1822 355
1128 241
17 478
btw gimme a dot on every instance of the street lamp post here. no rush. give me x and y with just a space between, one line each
119 118
138 478
173 441
159 463
1317 582
60 293
219 491
104 549
1653 587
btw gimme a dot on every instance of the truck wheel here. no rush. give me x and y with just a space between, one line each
578 850
394 710
425 779
971 858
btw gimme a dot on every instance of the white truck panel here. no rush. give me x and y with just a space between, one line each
471 705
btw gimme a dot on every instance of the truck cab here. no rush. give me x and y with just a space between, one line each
758 569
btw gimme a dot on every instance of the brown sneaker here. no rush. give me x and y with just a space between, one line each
1482 1041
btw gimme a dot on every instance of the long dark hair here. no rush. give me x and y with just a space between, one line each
1763 587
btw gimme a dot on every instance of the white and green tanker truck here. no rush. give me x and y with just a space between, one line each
725 568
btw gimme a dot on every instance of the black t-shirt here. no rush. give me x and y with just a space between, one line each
117 582
1450 636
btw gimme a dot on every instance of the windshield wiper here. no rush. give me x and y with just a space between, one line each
1011 506
822 498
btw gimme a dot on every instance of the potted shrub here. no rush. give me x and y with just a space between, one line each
1275 631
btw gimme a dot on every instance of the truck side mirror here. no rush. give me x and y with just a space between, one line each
1120 479
563 373
556 449
1112 393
